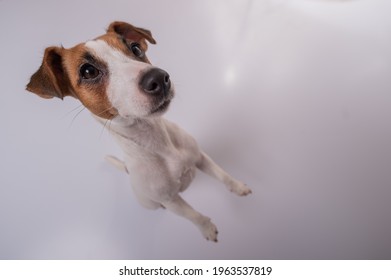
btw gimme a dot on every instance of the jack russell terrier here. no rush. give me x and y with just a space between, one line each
113 78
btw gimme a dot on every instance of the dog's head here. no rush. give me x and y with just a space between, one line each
110 75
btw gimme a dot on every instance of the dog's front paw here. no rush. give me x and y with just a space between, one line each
240 189
209 230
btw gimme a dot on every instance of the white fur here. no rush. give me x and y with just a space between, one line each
161 158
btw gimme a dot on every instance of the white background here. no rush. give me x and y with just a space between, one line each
110 269
292 97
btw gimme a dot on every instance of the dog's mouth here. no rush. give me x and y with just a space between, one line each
161 108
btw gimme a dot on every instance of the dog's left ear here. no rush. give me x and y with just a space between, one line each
131 32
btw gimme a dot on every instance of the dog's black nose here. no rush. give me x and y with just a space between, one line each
155 82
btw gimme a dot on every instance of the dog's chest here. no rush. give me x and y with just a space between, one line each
159 153
182 167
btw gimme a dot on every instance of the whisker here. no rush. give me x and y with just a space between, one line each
74 109
103 128
73 119
109 128
107 121
104 111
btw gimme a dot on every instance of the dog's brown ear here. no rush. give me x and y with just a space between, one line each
129 31
50 80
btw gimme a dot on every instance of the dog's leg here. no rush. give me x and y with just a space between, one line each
182 208
207 165
117 163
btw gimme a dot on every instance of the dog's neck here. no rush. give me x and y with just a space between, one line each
146 133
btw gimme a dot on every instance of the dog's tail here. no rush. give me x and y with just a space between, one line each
117 163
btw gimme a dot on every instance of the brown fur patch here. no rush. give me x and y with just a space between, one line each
122 44
92 95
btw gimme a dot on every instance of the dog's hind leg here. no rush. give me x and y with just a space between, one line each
182 208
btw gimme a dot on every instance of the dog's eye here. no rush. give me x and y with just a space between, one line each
88 71
136 49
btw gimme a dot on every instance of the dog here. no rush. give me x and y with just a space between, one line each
113 78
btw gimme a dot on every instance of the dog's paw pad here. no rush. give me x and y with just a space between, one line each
209 231
241 189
